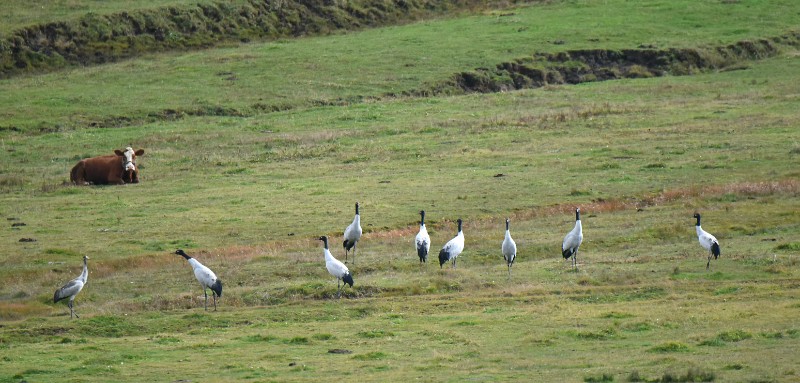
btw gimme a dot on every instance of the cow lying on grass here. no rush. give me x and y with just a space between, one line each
119 168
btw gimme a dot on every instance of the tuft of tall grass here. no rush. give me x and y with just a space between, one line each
691 375
605 377
670 347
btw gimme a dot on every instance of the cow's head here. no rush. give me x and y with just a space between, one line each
130 174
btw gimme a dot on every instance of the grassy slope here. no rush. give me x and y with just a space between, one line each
15 14
231 189
367 63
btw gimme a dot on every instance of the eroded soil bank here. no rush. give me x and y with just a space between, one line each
578 66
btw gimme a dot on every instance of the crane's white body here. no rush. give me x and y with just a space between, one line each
72 288
336 268
708 241
204 275
206 278
509 249
352 234
423 241
573 240
453 248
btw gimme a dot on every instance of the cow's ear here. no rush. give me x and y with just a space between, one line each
139 152
118 152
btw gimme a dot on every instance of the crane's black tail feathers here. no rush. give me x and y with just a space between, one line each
62 292
348 279
715 250
348 245
510 260
567 253
217 288
56 296
444 256
423 254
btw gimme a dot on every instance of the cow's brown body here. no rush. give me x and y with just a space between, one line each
103 170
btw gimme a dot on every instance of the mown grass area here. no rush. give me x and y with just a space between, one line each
247 195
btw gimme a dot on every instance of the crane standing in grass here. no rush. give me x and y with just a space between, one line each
206 277
572 241
351 236
336 267
509 249
423 240
72 288
708 241
452 248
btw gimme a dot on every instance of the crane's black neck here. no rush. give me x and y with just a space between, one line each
422 218
459 225
356 208
324 240
698 219
577 214
507 224
182 254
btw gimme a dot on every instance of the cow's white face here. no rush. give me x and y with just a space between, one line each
129 160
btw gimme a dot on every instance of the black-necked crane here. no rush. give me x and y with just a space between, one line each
351 236
206 277
452 248
509 248
336 267
72 288
708 241
423 240
572 241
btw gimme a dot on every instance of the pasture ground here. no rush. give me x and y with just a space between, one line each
246 193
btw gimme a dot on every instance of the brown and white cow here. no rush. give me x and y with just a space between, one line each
119 168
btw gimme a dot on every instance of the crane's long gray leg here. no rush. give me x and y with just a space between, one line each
709 262
509 272
205 305
72 310
354 252
214 295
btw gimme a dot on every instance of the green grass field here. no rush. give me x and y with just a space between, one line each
15 14
247 191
